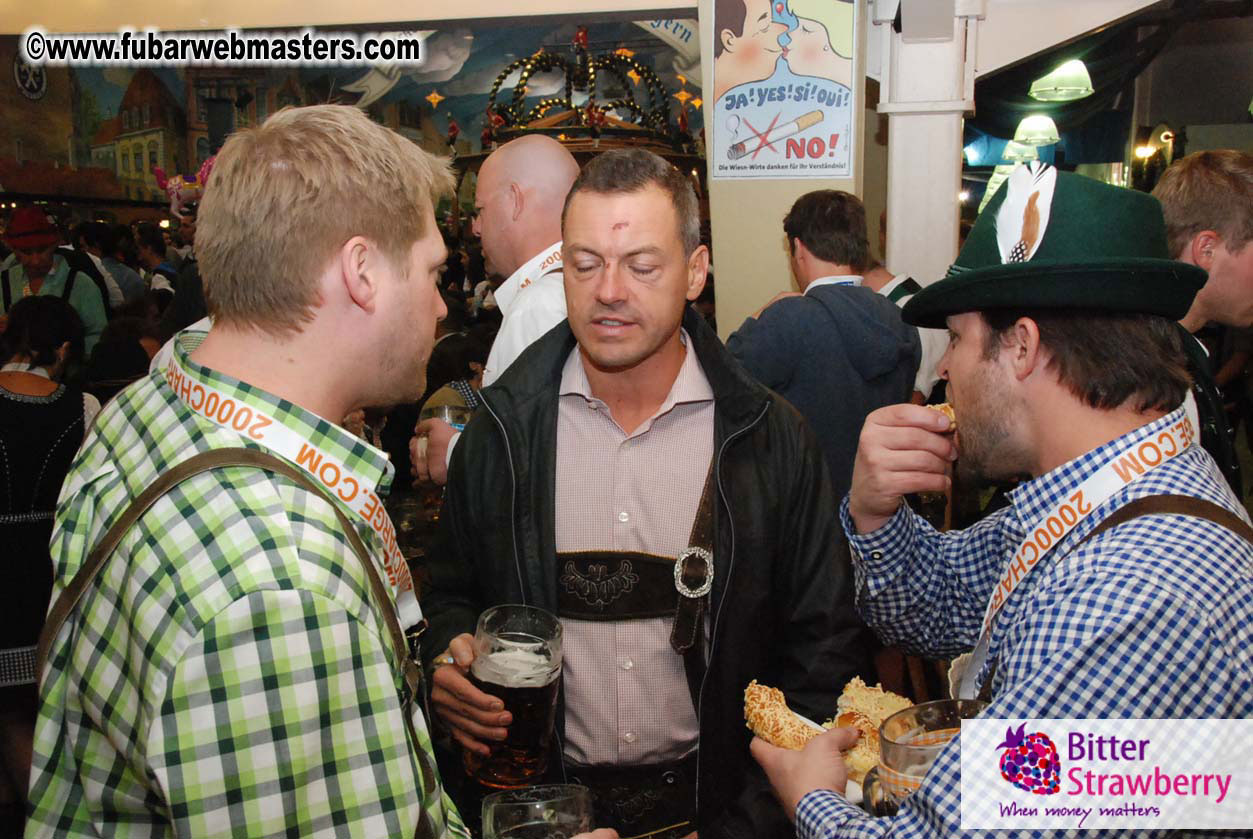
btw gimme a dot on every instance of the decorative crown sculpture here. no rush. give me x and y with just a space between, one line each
594 120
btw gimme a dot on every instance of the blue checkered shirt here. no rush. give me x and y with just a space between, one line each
1151 619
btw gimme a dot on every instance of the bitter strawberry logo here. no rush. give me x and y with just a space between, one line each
1030 762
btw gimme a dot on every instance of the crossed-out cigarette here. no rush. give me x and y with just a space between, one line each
779 132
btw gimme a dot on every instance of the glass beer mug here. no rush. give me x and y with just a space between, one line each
555 811
517 657
909 742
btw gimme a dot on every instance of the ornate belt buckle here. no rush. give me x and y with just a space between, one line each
681 564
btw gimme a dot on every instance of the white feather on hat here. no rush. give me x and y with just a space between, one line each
1024 214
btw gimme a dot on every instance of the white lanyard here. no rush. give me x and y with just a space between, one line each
545 262
250 421
841 281
1142 454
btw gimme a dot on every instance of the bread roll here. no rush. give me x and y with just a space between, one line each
947 410
865 708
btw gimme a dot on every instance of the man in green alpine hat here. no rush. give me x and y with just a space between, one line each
1104 589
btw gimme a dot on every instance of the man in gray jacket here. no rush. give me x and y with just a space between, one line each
837 350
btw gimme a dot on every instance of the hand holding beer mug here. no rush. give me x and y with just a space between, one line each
513 662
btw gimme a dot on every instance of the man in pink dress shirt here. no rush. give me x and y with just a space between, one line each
617 445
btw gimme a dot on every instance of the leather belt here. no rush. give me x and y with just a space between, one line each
625 585
656 801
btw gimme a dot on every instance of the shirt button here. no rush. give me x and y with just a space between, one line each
624 517
876 554
626 664
629 737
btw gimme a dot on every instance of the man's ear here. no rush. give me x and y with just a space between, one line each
359 263
1200 251
1026 356
517 200
802 257
728 40
799 252
697 271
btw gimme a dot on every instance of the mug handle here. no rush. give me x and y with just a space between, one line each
874 798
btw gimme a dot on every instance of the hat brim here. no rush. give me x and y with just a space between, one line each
1133 286
32 240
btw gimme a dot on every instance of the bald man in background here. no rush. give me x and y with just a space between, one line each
518 198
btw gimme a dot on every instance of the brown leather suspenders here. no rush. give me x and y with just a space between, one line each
216 459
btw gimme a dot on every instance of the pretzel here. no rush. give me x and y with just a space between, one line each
859 706
767 715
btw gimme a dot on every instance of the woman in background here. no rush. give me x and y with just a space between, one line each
42 423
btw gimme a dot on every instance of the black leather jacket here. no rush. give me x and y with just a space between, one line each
782 608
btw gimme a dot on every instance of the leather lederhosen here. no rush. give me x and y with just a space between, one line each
657 800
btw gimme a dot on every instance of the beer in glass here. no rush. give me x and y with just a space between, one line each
909 742
517 657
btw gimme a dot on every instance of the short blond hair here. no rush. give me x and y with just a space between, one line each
1208 190
284 197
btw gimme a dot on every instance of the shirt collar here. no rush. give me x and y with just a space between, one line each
1036 497
690 385
528 271
55 277
21 367
841 279
890 285
367 463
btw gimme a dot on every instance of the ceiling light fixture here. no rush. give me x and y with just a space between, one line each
1067 83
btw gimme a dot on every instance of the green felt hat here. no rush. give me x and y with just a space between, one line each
1057 240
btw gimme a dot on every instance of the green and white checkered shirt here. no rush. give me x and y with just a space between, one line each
229 674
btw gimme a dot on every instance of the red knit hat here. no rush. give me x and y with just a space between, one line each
30 229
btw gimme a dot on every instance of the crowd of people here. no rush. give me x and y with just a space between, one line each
212 630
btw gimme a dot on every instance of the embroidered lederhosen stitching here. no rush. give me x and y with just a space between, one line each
595 588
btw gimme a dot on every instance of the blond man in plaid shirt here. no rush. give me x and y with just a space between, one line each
229 672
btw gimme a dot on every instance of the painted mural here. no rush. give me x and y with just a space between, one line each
98 132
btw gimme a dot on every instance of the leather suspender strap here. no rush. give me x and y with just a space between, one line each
8 293
693 578
216 459
1151 505
1177 505
624 585
69 286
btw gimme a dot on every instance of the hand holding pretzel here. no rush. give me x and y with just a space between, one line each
902 449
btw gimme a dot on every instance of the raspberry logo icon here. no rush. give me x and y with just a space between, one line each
1030 762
